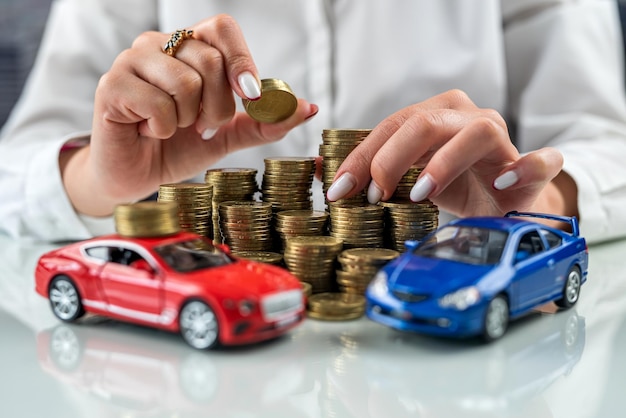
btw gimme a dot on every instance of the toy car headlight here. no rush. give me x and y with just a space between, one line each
379 283
461 299
246 307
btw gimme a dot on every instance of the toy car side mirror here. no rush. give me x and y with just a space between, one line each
225 248
142 265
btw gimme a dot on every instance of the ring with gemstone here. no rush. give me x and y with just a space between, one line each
176 40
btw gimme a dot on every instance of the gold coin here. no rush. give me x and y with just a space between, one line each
277 102
335 317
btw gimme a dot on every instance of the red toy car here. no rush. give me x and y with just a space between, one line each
181 283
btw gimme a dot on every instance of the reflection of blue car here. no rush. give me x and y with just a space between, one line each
472 275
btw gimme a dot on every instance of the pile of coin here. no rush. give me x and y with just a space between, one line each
336 145
336 306
312 260
408 221
193 201
146 219
406 183
277 102
359 265
229 184
246 225
287 182
358 226
297 223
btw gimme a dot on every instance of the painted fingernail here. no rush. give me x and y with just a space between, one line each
249 85
341 187
312 112
506 180
208 133
422 188
374 193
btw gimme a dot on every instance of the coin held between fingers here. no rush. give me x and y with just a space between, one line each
277 102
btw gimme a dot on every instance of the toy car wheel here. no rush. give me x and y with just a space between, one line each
198 325
571 289
65 299
496 318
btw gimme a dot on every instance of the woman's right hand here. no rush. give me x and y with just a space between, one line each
161 119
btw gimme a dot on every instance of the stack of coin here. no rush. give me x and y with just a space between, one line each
406 183
336 306
359 265
267 257
408 221
336 145
357 225
312 260
193 202
287 182
277 102
230 184
246 226
295 223
146 219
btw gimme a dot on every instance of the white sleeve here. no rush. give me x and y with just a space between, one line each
566 78
81 40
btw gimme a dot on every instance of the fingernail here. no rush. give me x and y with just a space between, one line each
341 187
374 194
249 85
422 188
506 180
208 133
312 112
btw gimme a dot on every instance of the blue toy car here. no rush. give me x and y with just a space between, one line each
473 275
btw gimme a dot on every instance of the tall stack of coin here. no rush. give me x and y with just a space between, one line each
287 182
230 184
294 223
408 221
406 183
336 145
193 201
146 219
359 265
357 225
336 306
246 226
312 260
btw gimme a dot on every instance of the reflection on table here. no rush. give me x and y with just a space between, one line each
559 364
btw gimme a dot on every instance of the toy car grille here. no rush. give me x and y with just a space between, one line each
409 297
280 304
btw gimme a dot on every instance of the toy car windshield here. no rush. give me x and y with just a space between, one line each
192 255
470 245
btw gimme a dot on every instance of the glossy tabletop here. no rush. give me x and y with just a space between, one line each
564 364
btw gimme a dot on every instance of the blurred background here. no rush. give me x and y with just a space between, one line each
21 26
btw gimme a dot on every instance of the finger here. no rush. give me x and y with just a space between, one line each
174 76
243 131
536 168
482 145
123 115
217 101
392 147
223 33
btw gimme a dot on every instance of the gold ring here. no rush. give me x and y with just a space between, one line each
176 40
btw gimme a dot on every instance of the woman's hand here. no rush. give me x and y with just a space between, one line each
161 119
471 168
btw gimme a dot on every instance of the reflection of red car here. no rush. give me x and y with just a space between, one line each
181 283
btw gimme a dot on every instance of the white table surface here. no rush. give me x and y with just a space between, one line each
565 364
